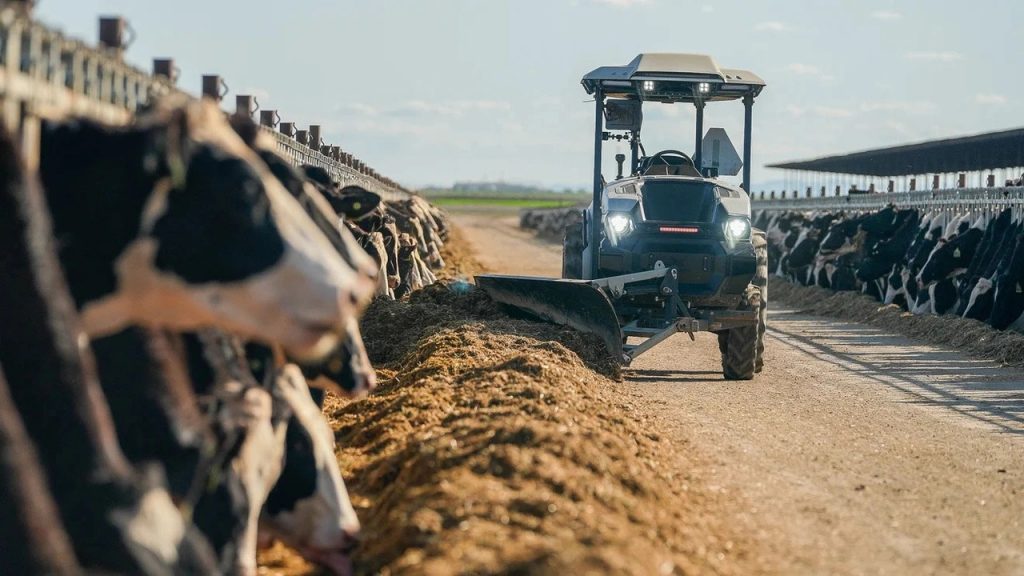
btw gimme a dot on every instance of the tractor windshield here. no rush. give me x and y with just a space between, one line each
678 201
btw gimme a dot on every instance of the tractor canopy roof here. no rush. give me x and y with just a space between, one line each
673 78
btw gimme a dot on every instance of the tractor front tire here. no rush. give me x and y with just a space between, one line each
741 348
760 243
739 353
572 251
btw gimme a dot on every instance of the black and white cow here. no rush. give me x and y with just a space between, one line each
979 302
119 518
1008 301
174 222
309 507
940 262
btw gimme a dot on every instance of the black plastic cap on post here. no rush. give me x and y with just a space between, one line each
269 118
214 87
314 137
245 105
112 30
165 67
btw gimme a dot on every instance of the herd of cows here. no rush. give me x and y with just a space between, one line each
177 297
943 261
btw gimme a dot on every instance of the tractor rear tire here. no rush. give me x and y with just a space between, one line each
572 251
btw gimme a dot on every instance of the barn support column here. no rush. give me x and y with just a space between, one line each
595 226
748 116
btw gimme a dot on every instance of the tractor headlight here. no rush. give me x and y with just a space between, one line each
737 228
620 223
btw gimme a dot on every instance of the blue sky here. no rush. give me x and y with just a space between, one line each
436 91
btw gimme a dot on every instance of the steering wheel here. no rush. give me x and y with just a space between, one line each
666 157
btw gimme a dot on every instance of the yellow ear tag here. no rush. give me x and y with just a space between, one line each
335 365
179 172
357 205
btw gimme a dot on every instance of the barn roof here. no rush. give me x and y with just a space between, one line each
964 154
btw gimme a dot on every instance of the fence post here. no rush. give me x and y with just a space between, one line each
288 129
935 182
913 184
302 137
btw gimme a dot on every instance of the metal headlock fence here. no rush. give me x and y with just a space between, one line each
44 73
958 199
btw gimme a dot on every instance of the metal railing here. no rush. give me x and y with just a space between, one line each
44 73
970 198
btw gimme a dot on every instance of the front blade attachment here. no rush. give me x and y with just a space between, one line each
572 303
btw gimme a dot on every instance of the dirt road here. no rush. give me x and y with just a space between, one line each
855 452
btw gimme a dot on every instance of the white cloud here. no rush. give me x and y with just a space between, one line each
927 56
886 15
707 8
829 112
358 108
990 99
456 108
795 111
622 3
803 69
901 106
771 26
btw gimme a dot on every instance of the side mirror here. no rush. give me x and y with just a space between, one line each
620 159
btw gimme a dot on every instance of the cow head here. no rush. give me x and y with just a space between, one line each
309 507
175 223
950 258
347 370
355 202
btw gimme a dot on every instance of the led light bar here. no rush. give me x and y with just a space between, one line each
679 229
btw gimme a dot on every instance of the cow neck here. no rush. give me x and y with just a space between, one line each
98 182
46 360
33 535
144 377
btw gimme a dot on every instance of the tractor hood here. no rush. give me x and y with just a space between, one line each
675 199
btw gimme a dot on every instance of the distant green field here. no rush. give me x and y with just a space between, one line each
504 202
